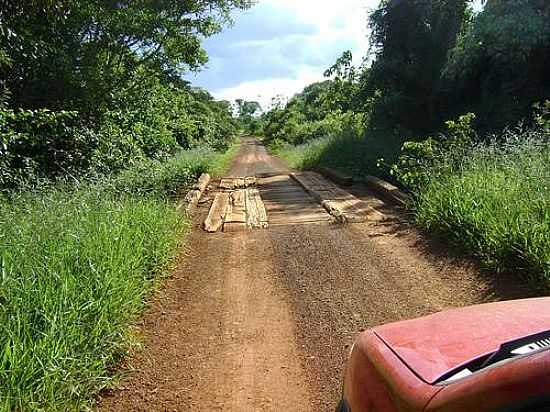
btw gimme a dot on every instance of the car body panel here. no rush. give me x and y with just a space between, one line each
376 380
436 344
381 378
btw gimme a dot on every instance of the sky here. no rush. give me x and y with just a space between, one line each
280 46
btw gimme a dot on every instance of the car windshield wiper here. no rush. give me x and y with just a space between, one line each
509 350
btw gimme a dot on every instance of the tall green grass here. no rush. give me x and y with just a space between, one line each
76 263
496 205
160 178
356 155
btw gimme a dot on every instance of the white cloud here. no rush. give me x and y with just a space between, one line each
264 90
333 27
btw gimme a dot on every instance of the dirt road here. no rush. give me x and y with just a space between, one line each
262 320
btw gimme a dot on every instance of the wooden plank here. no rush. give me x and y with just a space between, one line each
286 197
239 183
236 211
230 227
312 181
274 179
235 216
311 214
238 199
293 189
339 203
295 203
255 210
280 186
215 218
226 184
386 189
277 220
293 208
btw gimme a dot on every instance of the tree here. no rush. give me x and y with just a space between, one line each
248 115
499 68
410 40
74 52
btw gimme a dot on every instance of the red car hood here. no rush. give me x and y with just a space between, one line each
436 344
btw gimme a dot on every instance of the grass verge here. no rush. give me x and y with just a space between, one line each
76 264
496 205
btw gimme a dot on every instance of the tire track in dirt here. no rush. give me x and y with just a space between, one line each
225 339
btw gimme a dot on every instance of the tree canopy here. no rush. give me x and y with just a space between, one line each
102 81
74 53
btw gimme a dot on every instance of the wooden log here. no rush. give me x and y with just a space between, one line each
239 183
336 176
337 202
386 189
226 184
215 219
236 211
203 183
298 219
238 199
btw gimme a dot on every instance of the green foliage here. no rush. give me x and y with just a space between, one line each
411 40
90 87
40 143
168 177
76 263
499 66
420 160
327 108
248 116
76 267
496 205
79 52
542 116
349 152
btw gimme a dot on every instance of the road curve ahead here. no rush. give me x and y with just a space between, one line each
262 320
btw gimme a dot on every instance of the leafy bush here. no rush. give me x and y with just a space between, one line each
167 177
499 66
349 152
420 160
40 143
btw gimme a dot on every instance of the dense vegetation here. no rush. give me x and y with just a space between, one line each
430 62
496 204
96 85
98 134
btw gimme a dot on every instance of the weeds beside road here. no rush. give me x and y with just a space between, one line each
497 206
76 264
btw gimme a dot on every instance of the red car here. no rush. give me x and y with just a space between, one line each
487 358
